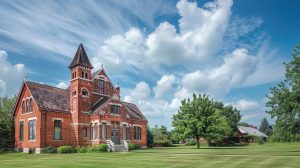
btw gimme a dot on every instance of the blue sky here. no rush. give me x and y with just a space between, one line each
158 51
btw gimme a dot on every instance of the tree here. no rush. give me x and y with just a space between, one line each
150 140
243 124
7 123
265 127
284 102
232 114
199 118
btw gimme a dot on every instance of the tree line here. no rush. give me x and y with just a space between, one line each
7 123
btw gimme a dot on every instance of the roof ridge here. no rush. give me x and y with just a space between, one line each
45 85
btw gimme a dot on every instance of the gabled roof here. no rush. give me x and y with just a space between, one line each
81 58
251 131
133 111
49 98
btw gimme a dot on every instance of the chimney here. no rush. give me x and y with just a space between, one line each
118 90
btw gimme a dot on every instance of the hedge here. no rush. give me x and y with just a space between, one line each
65 149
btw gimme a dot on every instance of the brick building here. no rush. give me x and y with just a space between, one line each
88 112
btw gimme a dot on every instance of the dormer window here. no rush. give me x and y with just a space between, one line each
101 86
84 92
114 109
107 88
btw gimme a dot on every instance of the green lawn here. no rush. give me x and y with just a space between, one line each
267 155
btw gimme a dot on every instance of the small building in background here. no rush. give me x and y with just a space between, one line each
249 134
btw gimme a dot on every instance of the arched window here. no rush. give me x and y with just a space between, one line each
74 93
86 75
23 107
27 106
75 74
30 105
84 92
82 74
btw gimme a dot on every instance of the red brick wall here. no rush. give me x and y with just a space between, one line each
24 117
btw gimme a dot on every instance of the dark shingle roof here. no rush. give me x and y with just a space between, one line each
133 111
50 98
81 58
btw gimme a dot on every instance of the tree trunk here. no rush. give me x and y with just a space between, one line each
198 143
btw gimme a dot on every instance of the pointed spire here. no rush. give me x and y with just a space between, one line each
81 58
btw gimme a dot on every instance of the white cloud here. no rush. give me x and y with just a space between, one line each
141 91
62 85
164 85
237 67
252 111
200 34
270 67
246 105
11 76
41 27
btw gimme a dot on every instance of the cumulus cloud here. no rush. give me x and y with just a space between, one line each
237 67
62 85
252 111
200 34
141 91
11 76
164 85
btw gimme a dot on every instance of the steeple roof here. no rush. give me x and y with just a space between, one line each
81 58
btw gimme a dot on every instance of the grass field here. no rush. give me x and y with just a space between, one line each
267 155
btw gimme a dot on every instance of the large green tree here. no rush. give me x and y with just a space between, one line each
284 102
199 118
265 127
6 123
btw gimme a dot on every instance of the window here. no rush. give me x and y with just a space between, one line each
103 131
84 132
30 105
108 88
96 131
21 130
75 74
84 92
137 133
57 129
86 75
73 104
101 86
115 109
91 131
23 107
82 74
124 132
27 106
32 129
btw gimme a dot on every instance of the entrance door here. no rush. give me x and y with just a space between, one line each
115 133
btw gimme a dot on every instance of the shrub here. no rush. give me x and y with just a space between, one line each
49 149
102 148
191 142
260 140
162 143
65 149
81 149
91 149
133 146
